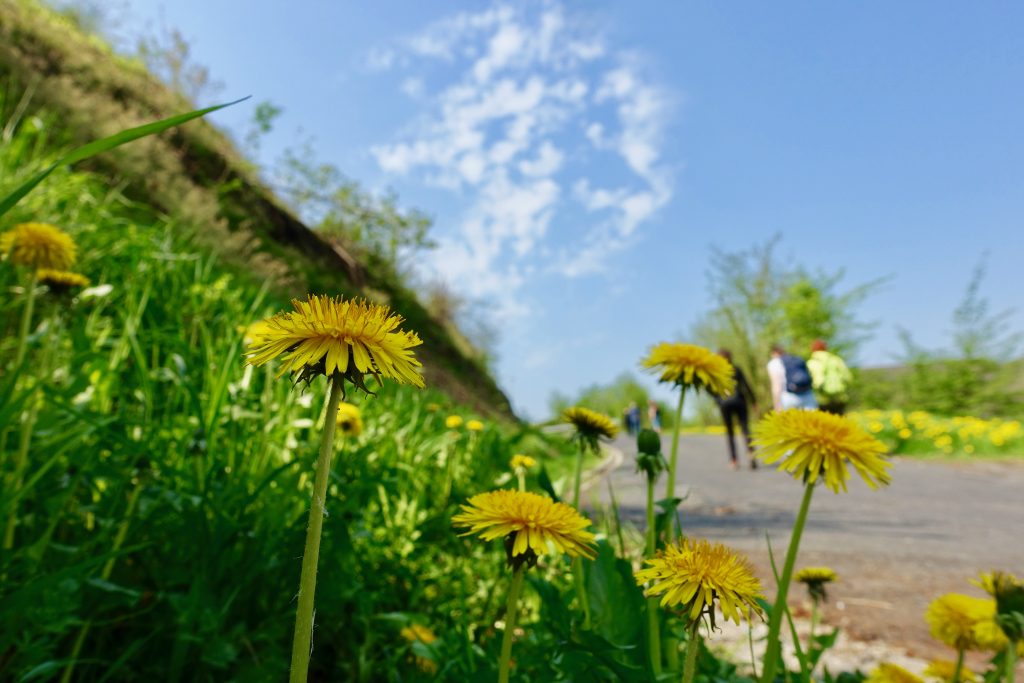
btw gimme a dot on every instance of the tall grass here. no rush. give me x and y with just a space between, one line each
160 517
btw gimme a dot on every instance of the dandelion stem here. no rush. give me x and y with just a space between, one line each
511 610
670 488
653 626
958 671
773 647
26 320
579 475
1011 660
521 474
577 565
581 591
303 639
692 646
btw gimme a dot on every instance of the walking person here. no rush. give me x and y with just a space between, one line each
735 413
654 415
830 378
633 418
792 386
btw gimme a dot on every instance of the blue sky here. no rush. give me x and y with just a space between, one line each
582 159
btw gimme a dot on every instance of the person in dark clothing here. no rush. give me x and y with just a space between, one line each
734 412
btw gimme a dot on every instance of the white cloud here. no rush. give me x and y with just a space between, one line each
535 112
413 87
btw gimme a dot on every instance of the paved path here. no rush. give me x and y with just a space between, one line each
931 530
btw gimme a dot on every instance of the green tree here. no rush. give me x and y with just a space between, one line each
761 299
976 376
339 207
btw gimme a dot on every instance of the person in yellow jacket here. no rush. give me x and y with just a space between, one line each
830 378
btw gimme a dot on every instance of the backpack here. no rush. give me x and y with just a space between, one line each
798 377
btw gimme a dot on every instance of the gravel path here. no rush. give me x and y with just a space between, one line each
895 549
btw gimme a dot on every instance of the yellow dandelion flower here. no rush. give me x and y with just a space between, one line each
453 422
964 622
590 425
325 335
694 573
816 575
475 426
418 632
350 420
816 578
38 245
944 669
691 366
891 673
810 442
61 281
523 461
254 332
905 433
532 524
876 427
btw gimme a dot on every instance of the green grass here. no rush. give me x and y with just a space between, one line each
162 507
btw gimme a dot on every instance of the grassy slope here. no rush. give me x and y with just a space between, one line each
195 174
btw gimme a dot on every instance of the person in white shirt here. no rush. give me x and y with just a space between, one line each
791 381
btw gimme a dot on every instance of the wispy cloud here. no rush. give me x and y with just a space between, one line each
534 111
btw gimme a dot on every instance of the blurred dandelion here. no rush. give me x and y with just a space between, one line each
945 671
350 419
891 673
38 245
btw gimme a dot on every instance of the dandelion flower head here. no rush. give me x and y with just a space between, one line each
350 419
816 575
691 366
811 443
61 281
353 338
475 426
590 425
944 669
532 523
891 673
524 461
816 578
39 245
964 622
1008 592
418 632
695 572
453 422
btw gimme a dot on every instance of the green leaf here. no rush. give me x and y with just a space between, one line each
544 481
98 146
616 602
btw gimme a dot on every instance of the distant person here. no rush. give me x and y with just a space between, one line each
792 386
830 378
654 415
633 418
734 410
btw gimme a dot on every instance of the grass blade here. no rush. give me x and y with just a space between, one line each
103 145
